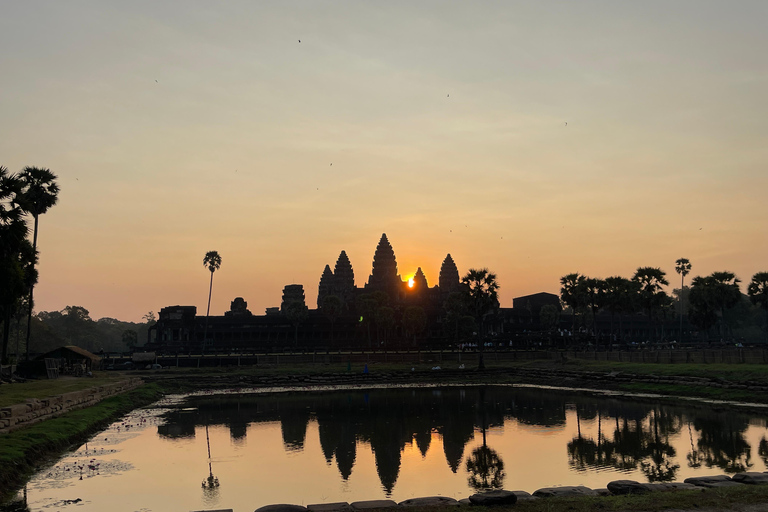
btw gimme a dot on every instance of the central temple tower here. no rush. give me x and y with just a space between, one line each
384 275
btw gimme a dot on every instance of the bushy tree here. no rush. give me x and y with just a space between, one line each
651 296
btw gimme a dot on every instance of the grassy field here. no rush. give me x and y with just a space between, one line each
11 394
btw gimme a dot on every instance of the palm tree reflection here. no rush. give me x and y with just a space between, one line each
210 483
485 467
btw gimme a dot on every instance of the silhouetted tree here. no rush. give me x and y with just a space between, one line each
130 338
682 267
711 296
212 260
481 293
14 255
594 295
40 192
572 294
620 298
651 297
758 293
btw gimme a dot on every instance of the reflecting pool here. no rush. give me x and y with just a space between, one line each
242 451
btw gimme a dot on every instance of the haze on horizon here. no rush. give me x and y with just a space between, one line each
179 128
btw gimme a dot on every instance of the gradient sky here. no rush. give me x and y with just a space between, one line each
181 127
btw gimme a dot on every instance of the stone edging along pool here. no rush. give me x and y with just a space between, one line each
35 410
502 497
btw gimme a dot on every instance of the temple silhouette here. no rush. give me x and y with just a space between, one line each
345 316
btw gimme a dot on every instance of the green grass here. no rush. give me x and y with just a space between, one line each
11 394
727 498
22 449
732 372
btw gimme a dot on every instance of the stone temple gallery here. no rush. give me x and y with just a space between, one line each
387 312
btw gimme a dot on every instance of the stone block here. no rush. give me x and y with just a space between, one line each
496 497
341 506
430 501
751 477
622 487
522 496
281 507
707 481
371 504
564 491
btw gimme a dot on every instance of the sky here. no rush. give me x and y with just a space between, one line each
533 138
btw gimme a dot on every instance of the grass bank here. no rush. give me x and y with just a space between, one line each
19 392
23 450
741 499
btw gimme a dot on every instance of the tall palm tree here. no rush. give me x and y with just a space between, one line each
481 292
682 267
212 260
40 192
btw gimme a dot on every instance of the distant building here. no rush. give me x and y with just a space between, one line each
361 323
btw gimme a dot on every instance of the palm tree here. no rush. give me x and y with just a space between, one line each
212 260
481 291
682 267
572 294
652 297
758 292
727 295
16 253
40 192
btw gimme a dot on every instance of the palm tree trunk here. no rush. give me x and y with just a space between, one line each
32 287
682 289
207 313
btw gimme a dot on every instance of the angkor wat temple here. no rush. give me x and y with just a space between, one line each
347 316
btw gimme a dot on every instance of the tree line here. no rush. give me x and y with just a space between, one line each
30 193
707 299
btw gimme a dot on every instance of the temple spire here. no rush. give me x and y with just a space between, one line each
384 273
449 275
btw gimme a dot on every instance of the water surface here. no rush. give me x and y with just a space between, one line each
243 451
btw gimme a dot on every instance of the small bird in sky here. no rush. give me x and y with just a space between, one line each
155 81
331 163
448 96
566 123
299 40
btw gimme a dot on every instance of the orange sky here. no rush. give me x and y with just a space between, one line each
175 132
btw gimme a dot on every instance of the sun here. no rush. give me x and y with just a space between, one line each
410 282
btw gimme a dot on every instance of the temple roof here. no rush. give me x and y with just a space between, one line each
384 263
449 275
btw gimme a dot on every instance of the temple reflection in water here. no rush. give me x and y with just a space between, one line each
638 438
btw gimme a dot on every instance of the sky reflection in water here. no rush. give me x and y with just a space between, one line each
399 443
